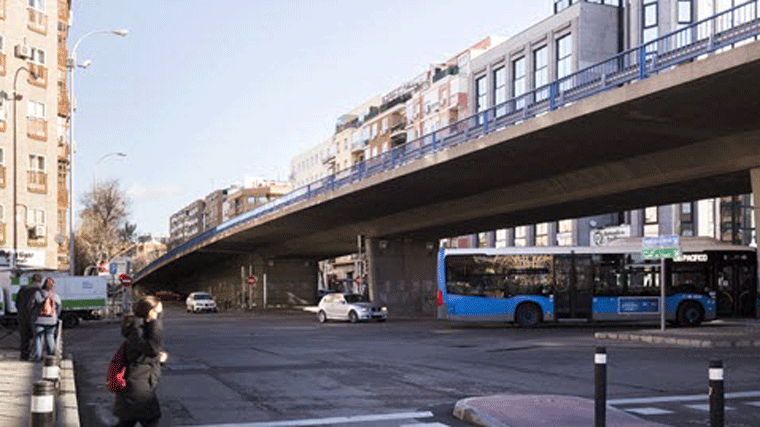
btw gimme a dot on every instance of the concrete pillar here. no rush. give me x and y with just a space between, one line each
754 176
290 282
402 275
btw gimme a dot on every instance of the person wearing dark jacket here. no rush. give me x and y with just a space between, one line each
143 332
25 315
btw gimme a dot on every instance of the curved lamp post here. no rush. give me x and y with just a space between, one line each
72 65
114 154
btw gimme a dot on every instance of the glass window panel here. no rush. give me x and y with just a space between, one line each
650 215
650 15
518 82
500 90
684 12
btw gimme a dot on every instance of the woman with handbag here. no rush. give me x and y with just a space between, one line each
138 402
48 308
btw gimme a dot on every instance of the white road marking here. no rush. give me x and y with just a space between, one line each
425 425
684 398
332 420
753 404
649 411
706 407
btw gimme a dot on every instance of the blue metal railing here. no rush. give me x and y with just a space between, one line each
684 45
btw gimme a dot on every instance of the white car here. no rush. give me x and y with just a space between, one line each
200 301
351 307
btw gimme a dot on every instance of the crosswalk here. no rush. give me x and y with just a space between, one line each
678 409
398 419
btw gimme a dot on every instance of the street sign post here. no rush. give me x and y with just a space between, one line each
661 247
251 280
125 280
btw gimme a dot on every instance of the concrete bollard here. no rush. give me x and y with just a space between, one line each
600 387
717 400
43 404
50 369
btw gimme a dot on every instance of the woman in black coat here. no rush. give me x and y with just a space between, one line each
138 402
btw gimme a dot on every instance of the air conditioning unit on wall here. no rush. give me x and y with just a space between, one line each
36 231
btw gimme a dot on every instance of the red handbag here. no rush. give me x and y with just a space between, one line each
117 369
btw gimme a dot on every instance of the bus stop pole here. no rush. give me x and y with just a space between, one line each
662 294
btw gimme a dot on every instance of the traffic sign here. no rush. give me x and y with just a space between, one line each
251 280
660 253
125 280
660 241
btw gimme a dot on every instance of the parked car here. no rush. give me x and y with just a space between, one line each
351 307
168 296
200 301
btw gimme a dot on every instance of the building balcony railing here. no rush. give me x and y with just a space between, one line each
63 54
63 197
2 232
3 174
2 9
3 122
37 242
38 75
38 21
3 63
36 128
358 146
37 182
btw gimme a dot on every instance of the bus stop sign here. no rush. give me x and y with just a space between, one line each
125 280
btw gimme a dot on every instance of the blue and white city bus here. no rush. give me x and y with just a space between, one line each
530 285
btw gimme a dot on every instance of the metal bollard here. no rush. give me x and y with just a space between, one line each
600 386
50 369
717 401
43 404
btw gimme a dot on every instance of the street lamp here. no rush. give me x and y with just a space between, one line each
71 65
116 154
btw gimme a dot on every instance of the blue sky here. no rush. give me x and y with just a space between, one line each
205 92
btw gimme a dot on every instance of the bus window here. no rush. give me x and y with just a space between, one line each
688 278
609 275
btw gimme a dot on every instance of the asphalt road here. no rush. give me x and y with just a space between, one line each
285 368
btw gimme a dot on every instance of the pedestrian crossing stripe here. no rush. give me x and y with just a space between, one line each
706 407
331 420
648 411
753 404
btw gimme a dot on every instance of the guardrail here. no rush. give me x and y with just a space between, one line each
691 42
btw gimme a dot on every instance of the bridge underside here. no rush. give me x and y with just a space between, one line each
689 133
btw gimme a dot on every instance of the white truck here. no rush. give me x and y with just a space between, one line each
82 297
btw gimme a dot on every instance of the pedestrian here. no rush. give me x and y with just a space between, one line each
47 310
25 315
143 332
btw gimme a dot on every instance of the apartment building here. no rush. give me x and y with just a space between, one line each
579 34
252 195
187 222
33 54
314 164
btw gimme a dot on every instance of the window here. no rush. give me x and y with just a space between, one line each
687 219
2 213
37 4
35 217
649 19
564 59
542 234
651 226
518 81
501 238
500 90
2 44
385 125
481 95
36 163
2 156
374 130
36 110
521 236
560 5
482 240
541 72
37 55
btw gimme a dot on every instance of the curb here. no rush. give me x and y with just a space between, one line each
466 413
67 408
679 341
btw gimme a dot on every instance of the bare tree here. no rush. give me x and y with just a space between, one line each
104 230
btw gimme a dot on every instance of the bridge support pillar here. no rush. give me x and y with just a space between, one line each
402 275
754 175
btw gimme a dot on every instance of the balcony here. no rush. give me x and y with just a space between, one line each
63 197
358 146
63 11
2 176
2 9
3 63
38 75
63 100
37 242
63 54
37 182
38 21
36 128
2 232
3 123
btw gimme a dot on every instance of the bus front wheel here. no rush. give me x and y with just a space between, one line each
689 314
528 315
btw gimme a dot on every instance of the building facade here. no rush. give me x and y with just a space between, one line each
34 151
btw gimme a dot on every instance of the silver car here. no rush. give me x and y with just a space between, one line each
351 307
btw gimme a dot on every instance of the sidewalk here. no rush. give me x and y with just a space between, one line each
718 333
16 381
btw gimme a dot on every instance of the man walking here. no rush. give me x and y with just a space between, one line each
25 314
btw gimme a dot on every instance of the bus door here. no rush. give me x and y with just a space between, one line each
573 286
736 285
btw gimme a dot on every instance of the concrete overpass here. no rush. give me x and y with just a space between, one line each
691 131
